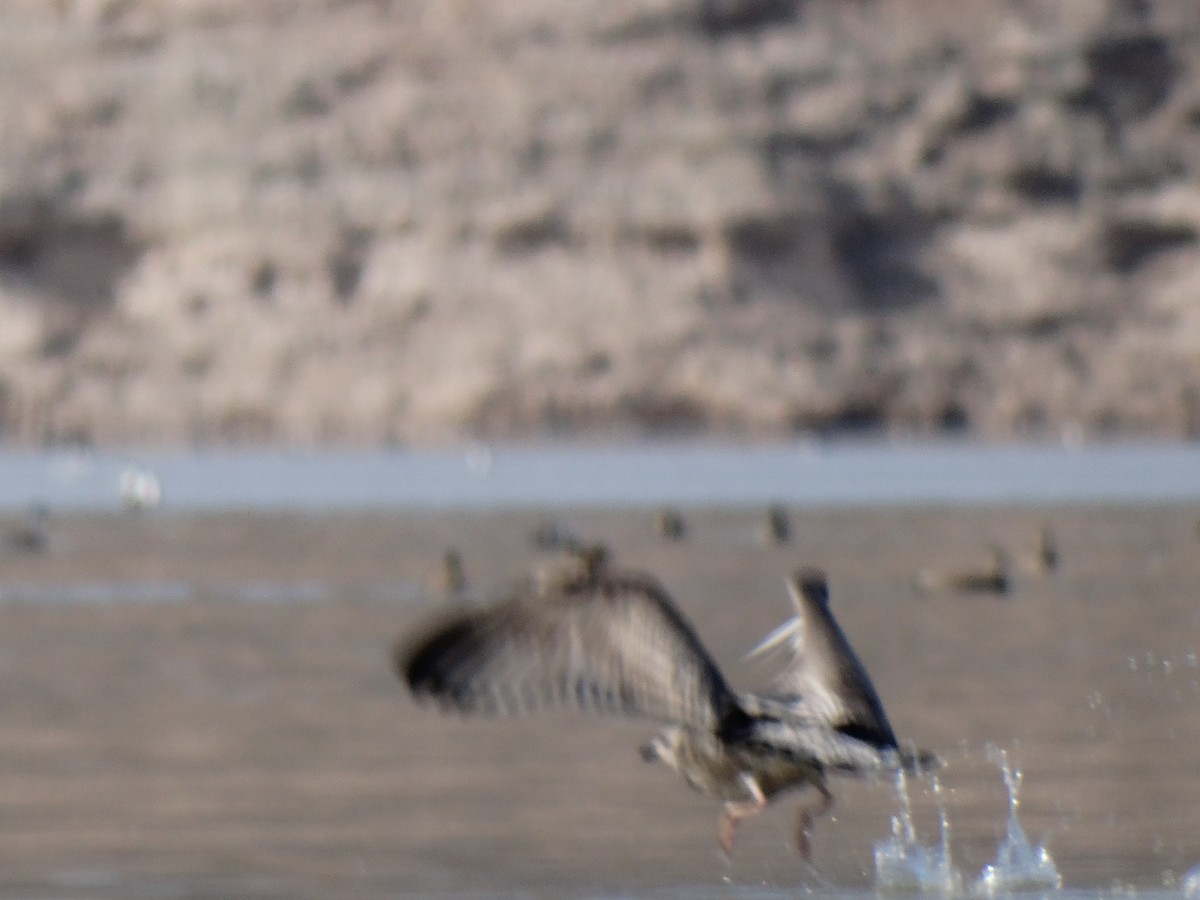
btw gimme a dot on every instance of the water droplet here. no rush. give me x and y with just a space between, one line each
1191 882
1018 865
902 863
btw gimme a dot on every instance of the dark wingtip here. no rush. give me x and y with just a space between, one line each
812 584
420 662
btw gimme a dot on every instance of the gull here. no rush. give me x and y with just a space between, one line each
139 489
614 641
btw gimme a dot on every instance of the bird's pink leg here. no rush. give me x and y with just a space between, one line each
804 820
736 810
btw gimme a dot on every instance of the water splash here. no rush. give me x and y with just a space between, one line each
1190 884
903 863
1019 866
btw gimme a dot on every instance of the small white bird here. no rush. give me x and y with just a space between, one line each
139 489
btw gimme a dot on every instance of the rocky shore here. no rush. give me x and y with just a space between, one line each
363 222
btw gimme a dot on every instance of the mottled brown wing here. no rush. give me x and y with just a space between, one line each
822 678
615 643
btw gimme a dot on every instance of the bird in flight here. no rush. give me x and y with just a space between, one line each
614 641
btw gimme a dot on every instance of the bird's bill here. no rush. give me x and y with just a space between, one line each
785 632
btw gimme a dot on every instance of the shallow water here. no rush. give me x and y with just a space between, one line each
505 477
202 706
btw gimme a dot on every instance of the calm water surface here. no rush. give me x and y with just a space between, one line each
480 476
197 701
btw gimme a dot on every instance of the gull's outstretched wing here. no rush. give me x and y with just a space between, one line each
822 679
613 642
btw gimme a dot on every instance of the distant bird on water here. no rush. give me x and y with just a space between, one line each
580 563
1047 549
670 524
452 579
552 535
991 578
778 528
30 535
614 641
1043 559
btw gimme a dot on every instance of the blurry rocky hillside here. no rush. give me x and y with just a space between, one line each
372 222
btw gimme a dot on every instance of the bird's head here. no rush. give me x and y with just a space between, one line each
811 582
